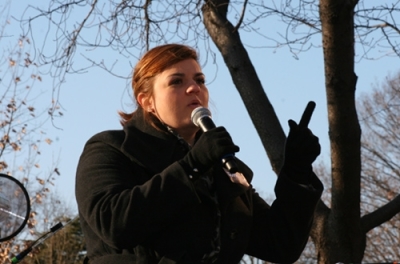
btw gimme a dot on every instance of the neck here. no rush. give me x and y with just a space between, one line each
188 136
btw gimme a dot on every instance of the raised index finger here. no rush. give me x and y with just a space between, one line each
305 118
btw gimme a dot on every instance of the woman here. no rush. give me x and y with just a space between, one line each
156 191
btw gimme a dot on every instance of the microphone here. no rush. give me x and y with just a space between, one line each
201 117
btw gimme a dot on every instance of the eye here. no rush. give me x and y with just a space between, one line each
201 81
176 81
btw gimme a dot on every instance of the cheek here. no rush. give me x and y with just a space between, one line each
166 102
206 96
166 106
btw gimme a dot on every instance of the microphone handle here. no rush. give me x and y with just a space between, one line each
230 163
206 124
228 160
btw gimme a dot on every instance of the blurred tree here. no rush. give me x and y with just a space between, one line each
379 116
60 241
64 247
22 135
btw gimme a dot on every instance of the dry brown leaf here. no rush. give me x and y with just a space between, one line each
41 181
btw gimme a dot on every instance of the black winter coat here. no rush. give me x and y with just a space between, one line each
137 204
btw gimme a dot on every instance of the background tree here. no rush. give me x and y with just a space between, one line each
22 135
130 27
378 113
379 116
63 246
66 246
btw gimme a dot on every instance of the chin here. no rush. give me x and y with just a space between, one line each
191 126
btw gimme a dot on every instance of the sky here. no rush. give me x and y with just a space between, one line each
90 102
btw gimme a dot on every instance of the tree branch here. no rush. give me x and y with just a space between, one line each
241 17
76 32
246 81
381 215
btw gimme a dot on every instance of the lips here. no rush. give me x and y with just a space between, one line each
195 103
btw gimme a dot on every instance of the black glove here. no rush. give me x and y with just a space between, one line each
209 149
301 149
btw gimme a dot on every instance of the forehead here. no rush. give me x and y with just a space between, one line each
188 65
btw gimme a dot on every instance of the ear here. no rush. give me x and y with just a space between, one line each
146 102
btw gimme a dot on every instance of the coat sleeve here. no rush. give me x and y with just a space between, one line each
280 231
120 203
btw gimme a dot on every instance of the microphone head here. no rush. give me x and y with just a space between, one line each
198 113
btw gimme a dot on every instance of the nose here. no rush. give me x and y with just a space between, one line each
194 87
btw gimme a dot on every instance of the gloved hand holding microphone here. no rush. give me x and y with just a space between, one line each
214 145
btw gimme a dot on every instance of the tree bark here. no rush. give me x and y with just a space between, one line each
345 241
245 78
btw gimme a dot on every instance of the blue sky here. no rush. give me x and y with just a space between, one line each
90 102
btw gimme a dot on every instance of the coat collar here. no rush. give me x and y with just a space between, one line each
142 139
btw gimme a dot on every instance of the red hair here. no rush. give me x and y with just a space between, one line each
152 63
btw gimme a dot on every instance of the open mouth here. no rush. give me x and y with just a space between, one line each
195 103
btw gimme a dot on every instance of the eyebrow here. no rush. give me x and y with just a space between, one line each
182 74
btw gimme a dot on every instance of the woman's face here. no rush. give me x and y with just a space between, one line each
177 91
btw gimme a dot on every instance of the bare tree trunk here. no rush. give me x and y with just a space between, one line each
342 239
227 39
